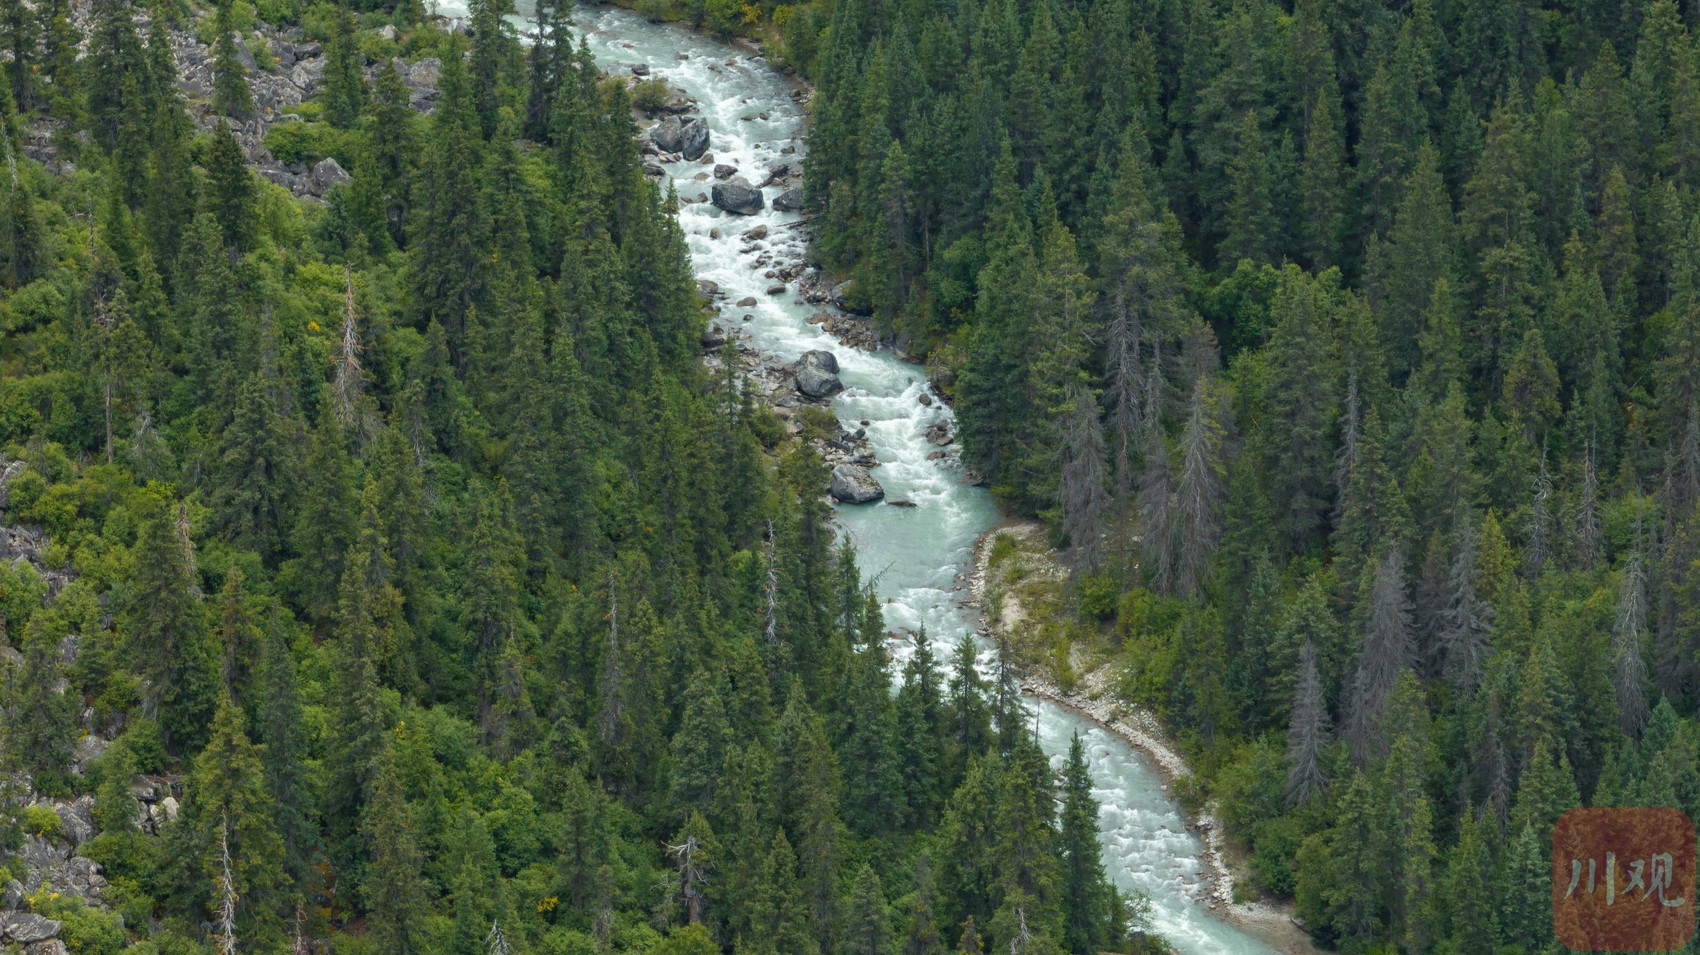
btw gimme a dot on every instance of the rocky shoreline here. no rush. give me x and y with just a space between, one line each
1094 698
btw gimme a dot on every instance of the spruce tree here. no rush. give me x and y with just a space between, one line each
231 96
1088 902
231 192
393 891
226 806
1250 230
1321 179
867 923
344 87
167 630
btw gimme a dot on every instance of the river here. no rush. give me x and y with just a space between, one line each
919 554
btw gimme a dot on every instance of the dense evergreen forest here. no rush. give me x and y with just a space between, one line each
388 574
1352 351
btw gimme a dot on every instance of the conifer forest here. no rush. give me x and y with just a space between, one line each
405 550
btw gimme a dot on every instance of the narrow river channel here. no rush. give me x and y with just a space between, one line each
920 554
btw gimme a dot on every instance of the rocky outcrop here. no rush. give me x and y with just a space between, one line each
817 375
737 196
853 485
791 200
328 174
25 928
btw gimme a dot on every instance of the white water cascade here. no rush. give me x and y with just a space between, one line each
920 553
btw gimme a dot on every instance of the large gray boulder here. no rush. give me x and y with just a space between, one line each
686 135
328 174
737 196
817 375
791 200
852 485
25 928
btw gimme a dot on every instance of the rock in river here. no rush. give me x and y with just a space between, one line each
687 136
817 374
738 196
791 200
852 485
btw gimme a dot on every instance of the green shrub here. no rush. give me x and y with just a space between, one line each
41 821
310 142
278 12
1099 594
651 94
84 930
1277 842
766 426
146 744
818 423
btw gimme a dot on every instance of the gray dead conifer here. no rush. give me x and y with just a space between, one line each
1156 485
1540 531
1085 502
1629 674
1467 618
1307 731
1387 650
348 370
1588 512
1346 461
1198 496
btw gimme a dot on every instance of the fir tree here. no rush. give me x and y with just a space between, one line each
167 631
1088 902
231 95
344 88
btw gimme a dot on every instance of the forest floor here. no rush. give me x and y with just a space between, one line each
1017 585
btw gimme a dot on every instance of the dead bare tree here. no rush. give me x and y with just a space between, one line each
1199 494
691 877
1629 677
772 632
348 370
1085 502
1156 485
611 675
1466 619
1386 651
1588 511
1307 731
227 888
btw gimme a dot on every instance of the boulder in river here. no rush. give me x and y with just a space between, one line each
817 374
723 171
791 200
853 485
737 196
687 135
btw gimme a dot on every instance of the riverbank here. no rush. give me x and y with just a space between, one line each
1092 695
